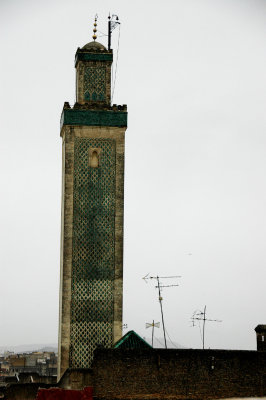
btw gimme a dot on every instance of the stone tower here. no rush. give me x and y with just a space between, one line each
91 274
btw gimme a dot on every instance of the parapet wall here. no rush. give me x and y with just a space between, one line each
178 374
161 374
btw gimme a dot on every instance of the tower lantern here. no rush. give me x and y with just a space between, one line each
91 275
93 65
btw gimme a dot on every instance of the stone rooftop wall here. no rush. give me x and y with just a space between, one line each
178 374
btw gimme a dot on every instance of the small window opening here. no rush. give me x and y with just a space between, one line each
94 157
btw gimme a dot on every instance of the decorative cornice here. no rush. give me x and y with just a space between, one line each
80 56
93 118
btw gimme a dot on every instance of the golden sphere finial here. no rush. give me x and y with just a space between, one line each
94 36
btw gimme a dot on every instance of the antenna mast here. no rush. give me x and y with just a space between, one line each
201 316
159 287
154 324
113 21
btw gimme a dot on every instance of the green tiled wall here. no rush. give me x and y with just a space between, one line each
93 251
94 84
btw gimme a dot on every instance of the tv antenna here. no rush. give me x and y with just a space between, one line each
153 325
201 316
159 286
113 22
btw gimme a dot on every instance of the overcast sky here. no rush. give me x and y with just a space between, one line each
192 73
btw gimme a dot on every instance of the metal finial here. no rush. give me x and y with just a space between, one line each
94 36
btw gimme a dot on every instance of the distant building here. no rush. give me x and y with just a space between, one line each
261 337
41 363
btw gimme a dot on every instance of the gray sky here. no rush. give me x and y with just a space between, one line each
192 73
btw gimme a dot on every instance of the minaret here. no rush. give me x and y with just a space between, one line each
91 277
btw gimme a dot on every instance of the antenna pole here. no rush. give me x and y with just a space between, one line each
201 316
113 21
160 300
159 286
152 333
109 32
204 320
153 325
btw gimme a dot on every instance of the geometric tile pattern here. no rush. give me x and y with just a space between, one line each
94 84
92 291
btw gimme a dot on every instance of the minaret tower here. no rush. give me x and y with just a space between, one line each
91 276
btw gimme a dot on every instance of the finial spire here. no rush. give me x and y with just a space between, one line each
94 36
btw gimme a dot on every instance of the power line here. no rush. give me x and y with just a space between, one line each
158 341
103 34
116 64
171 340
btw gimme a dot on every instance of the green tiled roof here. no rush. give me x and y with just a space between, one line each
131 340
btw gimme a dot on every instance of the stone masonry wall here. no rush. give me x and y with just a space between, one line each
69 134
178 374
